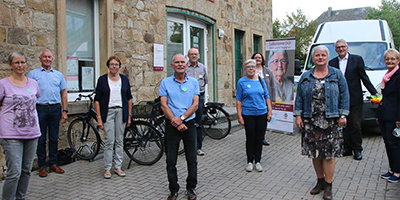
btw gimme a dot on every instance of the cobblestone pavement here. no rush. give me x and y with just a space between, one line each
221 175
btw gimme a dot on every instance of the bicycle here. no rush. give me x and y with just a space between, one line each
143 142
84 137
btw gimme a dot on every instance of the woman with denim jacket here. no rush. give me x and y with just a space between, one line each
388 114
321 107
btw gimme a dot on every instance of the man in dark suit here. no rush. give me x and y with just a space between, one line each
352 67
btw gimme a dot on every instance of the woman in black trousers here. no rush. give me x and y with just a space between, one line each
388 114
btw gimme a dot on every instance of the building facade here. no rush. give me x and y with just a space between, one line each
82 34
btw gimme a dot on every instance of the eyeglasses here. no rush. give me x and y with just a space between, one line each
18 63
249 66
392 59
257 57
279 61
114 64
339 47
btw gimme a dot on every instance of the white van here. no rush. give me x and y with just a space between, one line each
367 38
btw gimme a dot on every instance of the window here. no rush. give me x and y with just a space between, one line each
82 44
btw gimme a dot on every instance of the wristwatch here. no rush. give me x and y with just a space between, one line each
342 116
182 118
66 111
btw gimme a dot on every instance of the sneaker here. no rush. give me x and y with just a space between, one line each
387 175
259 167
200 152
249 167
394 179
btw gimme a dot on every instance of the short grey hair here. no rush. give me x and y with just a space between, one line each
341 40
272 52
394 51
249 61
14 54
320 47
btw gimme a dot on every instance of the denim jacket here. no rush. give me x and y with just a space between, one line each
337 96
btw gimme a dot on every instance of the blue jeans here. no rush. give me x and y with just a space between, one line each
19 154
199 121
49 121
172 139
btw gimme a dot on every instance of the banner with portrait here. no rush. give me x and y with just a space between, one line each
279 55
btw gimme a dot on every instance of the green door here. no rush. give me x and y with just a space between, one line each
238 54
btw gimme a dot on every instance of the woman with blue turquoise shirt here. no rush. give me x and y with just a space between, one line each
254 109
321 107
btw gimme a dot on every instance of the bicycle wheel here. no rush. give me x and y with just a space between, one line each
216 122
143 143
84 138
161 124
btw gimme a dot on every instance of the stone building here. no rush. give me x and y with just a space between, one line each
82 34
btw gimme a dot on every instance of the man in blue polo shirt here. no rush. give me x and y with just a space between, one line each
53 89
179 101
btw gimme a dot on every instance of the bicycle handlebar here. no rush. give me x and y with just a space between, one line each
85 96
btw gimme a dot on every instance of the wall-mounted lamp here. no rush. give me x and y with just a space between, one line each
221 33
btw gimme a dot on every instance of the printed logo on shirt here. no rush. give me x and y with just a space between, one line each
55 79
248 86
24 111
184 89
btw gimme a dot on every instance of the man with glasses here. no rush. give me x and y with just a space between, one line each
53 90
197 70
278 62
352 67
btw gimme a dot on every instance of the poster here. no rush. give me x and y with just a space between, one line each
279 54
158 59
72 73
87 78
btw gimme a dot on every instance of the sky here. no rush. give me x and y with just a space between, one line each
313 8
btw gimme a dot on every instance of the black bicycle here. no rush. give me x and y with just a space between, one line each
142 141
83 135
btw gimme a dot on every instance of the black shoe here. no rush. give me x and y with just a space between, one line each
347 153
265 143
191 193
357 155
173 196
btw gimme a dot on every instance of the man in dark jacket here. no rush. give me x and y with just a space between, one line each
352 66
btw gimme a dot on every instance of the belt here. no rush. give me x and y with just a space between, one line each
114 107
202 93
48 105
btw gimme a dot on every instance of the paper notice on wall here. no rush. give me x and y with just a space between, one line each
158 57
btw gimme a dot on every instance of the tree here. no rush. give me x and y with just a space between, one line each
389 11
296 25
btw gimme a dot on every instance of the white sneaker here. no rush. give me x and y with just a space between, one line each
200 152
258 167
249 167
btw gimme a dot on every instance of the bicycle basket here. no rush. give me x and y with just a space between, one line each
142 110
149 109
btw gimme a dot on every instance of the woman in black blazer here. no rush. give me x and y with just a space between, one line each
113 104
388 114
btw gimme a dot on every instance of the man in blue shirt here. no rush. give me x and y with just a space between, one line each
53 89
179 101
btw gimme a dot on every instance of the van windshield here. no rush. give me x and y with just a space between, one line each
371 52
